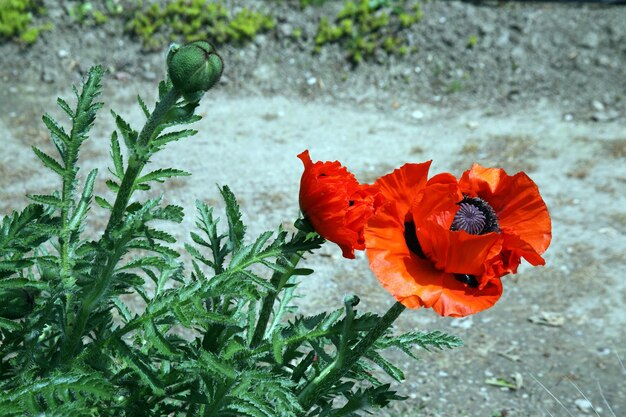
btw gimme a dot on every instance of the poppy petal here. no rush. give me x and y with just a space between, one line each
458 252
414 281
336 205
459 300
402 184
516 200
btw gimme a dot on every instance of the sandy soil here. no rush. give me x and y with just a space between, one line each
559 328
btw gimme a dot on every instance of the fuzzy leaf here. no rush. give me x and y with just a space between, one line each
236 229
129 135
49 200
116 155
172 137
103 203
65 107
49 161
143 106
85 201
160 174
55 129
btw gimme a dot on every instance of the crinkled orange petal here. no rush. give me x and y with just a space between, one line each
414 281
336 204
437 202
516 200
402 185
458 252
459 300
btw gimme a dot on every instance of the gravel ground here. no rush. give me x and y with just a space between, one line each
542 91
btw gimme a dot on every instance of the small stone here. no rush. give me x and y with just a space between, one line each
464 323
149 75
262 72
122 76
260 40
62 53
417 114
568 117
472 125
604 116
486 27
604 61
47 76
285 29
584 405
311 81
597 105
590 40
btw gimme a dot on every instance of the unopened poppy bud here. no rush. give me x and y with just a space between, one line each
195 67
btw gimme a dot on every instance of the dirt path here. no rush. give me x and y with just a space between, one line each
250 143
542 90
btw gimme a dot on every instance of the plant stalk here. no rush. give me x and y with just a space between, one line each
278 281
336 370
107 259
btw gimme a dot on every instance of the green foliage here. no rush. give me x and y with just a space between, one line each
216 336
89 13
305 3
472 41
16 18
365 26
192 20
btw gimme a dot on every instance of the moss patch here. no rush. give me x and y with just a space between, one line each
366 26
191 20
16 20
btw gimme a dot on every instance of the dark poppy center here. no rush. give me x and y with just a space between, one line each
410 237
475 216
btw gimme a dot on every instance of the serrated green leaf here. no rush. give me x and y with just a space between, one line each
277 347
103 203
116 155
172 137
85 201
15 265
143 106
65 107
112 185
9 283
160 174
9 324
49 161
217 366
128 134
55 129
158 340
391 370
50 200
140 364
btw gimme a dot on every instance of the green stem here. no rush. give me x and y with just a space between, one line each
336 370
105 262
278 281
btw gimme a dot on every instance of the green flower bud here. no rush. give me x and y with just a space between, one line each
194 67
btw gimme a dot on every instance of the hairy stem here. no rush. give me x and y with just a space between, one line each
278 281
107 259
338 368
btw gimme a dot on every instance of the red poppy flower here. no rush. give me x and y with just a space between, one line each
335 204
444 243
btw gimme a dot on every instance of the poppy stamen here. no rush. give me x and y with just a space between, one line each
475 216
